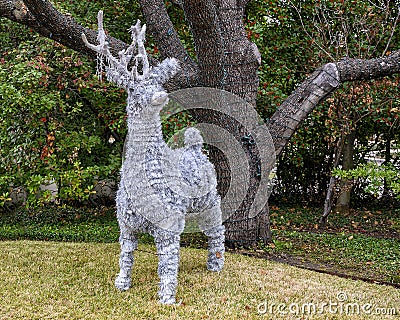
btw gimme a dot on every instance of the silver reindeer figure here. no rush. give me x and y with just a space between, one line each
159 186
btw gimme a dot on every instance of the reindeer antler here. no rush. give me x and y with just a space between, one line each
117 68
138 35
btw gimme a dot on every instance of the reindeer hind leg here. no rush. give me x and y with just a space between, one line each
216 248
210 221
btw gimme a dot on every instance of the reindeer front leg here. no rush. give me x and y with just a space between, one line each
167 243
129 243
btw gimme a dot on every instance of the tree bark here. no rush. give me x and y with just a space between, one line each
17 11
343 200
360 69
388 157
227 60
328 203
160 26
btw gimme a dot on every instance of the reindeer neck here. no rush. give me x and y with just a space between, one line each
142 132
144 129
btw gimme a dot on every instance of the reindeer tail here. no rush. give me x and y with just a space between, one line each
193 137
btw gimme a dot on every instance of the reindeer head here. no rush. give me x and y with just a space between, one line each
132 72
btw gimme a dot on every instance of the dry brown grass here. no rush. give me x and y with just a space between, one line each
45 280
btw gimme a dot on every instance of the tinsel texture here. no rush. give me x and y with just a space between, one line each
159 186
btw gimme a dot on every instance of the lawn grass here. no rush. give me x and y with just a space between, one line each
363 243
56 280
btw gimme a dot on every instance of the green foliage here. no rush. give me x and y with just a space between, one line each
56 121
376 177
294 39
4 198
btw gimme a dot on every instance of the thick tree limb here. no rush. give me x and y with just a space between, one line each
359 69
241 57
203 20
168 42
66 30
160 26
226 58
317 87
17 11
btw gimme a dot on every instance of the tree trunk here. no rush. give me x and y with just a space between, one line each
330 190
388 158
227 60
343 201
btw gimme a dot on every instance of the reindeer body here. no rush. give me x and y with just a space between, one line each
159 186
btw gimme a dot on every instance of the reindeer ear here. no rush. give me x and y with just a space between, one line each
165 70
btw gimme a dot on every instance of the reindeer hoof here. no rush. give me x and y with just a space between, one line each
167 300
122 283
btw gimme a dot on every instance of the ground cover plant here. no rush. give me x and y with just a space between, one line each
60 224
363 243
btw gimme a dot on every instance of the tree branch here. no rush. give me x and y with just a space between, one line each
16 10
168 42
160 26
317 87
359 69
66 30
